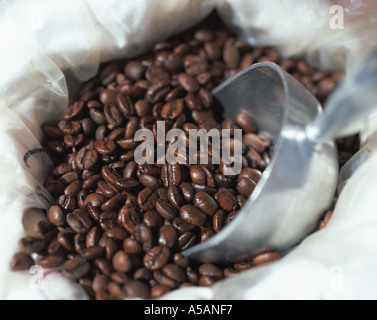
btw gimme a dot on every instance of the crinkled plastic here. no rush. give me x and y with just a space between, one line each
48 45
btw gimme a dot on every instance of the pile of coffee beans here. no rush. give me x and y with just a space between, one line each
118 227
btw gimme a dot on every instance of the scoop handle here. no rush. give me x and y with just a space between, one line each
350 106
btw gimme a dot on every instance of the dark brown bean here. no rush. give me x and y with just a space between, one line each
79 221
21 261
156 258
75 268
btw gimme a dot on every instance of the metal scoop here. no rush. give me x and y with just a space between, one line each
299 184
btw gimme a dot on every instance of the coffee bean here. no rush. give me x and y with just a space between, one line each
143 235
205 203
125 105
112 203
172 109
246 186
182 225
29 245
149 181
166 210
132 246
195 65
226 199
93 253
79 221
181 261
210 270
175 197
56 216
153 219
171 276
157 92
265 258
159 290
93 237
136 289
186 240
245 123
147 199
129 219
105 146
43 230
156 258
167 236
188 82
51 262
86 159
75 268
108 220
134 70
122 262
21 261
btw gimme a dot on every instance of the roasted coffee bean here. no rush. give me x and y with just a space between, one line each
93 237
100 283
175 196
51 262
219 220
188 82
195 65
70 127
43 230
156 258
93 253
136 289
108 220
143 235
132 246
231 216
30 245
171 276
182 225
187 191
86 159
122 262
56 216
226 199
172 110
157 92
79 221
167 236
129 219
192 276
245 123
211 270
91 182
149 181
65 239
147 199
246 186
153 219
265 258
181 261
186 240
75 268
21 261
112 203
206 281
134 70
205 203
156 74
159 290
166 209
116 233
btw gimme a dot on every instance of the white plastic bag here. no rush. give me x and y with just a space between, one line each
46 42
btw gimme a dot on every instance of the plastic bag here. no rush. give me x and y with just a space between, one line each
53 46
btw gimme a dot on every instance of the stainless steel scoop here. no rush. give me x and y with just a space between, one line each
300 182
